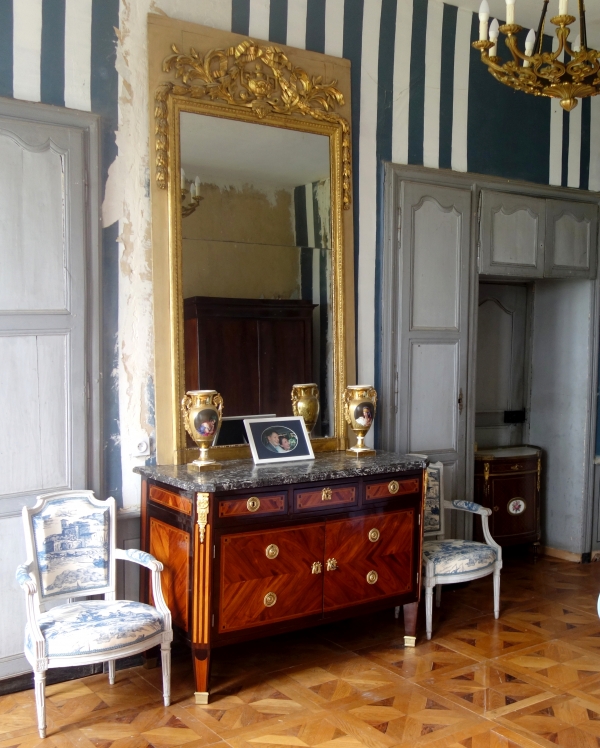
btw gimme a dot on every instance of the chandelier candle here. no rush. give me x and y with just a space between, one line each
563 7
494 31
529 45
484 17
510 12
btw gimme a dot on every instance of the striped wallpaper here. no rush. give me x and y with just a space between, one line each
419 96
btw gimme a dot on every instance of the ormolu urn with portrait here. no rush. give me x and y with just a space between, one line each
202 411
360 404
305 403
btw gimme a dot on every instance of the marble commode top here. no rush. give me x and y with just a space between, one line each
237 474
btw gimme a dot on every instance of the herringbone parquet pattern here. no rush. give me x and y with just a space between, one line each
532 678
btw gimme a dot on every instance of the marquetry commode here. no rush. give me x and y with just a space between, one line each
251 551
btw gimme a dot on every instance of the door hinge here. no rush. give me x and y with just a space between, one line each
399 227
214 551
213 620
419 518
417 579
396 390
460 402
86 186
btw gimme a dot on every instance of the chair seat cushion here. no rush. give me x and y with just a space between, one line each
95 626
457 556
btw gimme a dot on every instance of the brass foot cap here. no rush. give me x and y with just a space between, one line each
201 697
410 641
202 466
361 452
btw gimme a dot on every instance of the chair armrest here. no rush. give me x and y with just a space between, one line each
468 506
25 580
139 557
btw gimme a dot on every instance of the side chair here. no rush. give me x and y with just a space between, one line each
454 561
71 555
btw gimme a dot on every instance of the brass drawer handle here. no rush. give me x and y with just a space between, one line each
317 567
253 504
393 486
374 535
516 467
326 494
332 564
270 599
272 551
372 577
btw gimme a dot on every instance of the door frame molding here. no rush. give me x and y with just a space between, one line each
90 126
390 335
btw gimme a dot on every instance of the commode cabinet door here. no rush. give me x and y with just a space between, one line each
369 558
270 576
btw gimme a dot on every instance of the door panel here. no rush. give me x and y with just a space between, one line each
248 575
501 339
512 234
571 230
432 322
390 555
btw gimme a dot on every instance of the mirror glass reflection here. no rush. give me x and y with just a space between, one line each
256 265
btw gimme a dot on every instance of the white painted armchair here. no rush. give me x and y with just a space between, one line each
70 538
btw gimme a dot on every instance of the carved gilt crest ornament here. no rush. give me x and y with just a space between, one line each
252 77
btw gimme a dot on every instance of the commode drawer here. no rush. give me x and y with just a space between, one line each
513 465
389 488
254 505
325 497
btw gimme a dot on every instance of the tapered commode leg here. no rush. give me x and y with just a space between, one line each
40 702
111 672
410 624
428 611
165 656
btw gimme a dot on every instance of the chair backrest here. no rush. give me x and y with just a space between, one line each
433 522
70 538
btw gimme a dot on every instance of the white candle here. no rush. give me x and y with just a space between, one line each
197 180
494 37
484 17
510 11
182 179
563 7
192 189
576 46
529 45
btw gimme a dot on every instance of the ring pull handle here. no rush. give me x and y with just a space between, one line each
331 564
272 551
317 567
372 577
393 487
326 494
374 535
270 599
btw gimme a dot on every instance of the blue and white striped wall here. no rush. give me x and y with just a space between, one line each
420 95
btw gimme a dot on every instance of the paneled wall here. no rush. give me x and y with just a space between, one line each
420 96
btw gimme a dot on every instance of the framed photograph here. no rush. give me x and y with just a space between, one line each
278 439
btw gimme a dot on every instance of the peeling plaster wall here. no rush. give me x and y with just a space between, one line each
127 201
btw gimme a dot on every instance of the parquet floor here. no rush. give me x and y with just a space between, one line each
532 678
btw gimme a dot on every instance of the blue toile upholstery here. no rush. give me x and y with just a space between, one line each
70 538
458 556
452 561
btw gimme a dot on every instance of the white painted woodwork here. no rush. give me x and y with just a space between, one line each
512 234
561 406
436 266
32 195
501 358
432 398
571 239
430 313
43 370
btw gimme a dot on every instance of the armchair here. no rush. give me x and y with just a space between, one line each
70 540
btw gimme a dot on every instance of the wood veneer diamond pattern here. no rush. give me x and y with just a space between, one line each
530 679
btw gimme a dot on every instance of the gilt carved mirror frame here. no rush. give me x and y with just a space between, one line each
254 82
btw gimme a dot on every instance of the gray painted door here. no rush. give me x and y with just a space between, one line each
42 339
501 341
432 319
512 234
571 239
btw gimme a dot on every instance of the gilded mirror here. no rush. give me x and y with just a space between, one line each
255 161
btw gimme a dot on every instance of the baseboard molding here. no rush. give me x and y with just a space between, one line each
559 553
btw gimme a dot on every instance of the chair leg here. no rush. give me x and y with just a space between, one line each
438 595
428 611
497 593
165 655
40 703
111 672
397 611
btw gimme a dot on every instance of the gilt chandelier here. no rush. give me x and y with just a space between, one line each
534 71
